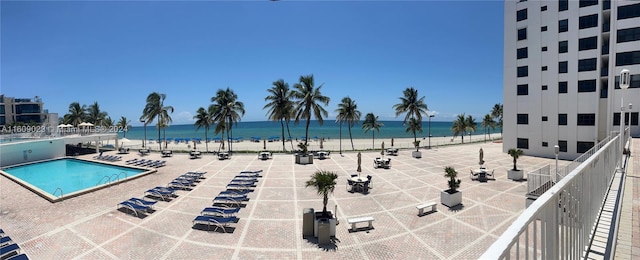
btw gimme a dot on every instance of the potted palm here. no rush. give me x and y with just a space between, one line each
514 173
452 196
303 157
417 153
324 182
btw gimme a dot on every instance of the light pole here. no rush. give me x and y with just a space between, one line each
145 131
624 84
430 116
556 151
340 115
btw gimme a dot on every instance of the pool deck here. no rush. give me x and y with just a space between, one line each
270 226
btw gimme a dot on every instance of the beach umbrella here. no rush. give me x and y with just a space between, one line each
481 156
321 143
391 142
359 163
264 144
382 151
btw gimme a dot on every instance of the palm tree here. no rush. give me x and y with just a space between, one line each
108 121
459 126
488 122
414 126
413 106
515 153
204 119
496 112
94 115
76 114
124 124
348 112
470 125
155 108
371 123
324 182
228 110
309 101
279 105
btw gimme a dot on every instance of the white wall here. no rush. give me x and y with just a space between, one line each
29 151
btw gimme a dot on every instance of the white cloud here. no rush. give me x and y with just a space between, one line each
182 118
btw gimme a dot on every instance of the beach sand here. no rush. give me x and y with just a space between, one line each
315 145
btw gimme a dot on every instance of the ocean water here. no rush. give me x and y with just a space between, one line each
330 129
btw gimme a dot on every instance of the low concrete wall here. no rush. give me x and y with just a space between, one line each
30 151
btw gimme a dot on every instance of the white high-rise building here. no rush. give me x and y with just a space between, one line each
562 61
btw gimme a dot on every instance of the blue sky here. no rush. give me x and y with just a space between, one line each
116 53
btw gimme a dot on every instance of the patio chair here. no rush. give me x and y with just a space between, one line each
474 176
9 250
218 222
220 211
354 175
5 240
134 207
350 184
225 200
490 174
143 202
233 193
369 177
365 187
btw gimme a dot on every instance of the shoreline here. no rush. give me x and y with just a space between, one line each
314 145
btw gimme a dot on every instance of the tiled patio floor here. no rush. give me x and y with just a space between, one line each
270 226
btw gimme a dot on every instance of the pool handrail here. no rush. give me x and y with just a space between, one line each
56 191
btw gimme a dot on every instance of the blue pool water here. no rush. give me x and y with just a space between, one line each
71 175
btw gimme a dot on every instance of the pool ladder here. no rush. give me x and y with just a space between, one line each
61 192
109 178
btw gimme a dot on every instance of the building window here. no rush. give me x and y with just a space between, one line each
588 21
586 119
589 43
562 87
545 119
604 90
587 64
628 11
523 143
585 3
633 116
563 67
544 48
562 119
523 71
583 147
544 87
523 119
587 85
563 146
522 34
543 8
563 5
521 15
627 58
523 90
563 46
634 81
628 35
563 25
544 68
545 144
543 28
522 53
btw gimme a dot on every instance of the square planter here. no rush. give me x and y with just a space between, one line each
416 154
515 175
318 219
451 199
302 159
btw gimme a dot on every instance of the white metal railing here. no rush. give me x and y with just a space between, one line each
539 179
559 224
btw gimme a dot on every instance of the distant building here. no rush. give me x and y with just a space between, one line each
562 61
21 110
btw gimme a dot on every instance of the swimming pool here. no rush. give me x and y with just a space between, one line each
68 177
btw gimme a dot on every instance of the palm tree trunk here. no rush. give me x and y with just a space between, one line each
282 126
164 137
373 140
306 134
289 133
206 137
415 140
159 143
352 148
325 200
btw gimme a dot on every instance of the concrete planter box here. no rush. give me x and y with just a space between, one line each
449 199
318 219
301 159
416 154
515 175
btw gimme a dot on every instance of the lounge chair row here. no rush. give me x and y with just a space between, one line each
146 163
229 202
9 249
111 158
